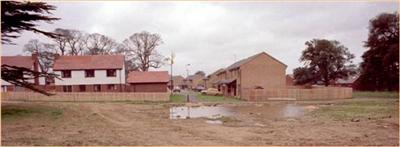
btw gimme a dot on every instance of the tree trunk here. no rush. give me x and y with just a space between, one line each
326 80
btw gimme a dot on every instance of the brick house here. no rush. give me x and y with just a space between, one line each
212 79
260 71
94 73
30 62
349 82
150 81
178 82
195 81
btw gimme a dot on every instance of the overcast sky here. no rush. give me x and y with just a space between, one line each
212 35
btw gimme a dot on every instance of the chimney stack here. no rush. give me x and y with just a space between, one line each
56 56
35 56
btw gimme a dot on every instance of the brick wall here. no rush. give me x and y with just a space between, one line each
148 87
262 71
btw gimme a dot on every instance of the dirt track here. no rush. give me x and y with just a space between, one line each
149 124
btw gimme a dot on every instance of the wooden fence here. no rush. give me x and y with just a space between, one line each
87 96
297 94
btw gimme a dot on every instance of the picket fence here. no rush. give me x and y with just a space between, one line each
297 93
87 96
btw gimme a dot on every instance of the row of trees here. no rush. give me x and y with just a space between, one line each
139 48
326 61
18 16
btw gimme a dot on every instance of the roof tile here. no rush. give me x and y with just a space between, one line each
20 61
148 77
89 62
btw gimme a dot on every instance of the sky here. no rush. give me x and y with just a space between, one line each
213 35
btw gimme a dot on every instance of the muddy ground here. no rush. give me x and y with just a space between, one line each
341 122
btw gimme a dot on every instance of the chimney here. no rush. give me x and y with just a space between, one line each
56 56
35 67
34 56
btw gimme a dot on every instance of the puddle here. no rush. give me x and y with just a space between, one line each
266 111
218 122
291 110
211 112
275 111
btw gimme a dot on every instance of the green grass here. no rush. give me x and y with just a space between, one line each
362 109
15 112
371 94
177 98
210 98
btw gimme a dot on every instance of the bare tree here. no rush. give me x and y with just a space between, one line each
98 44
76 42
33 46
45 52
61 40
141 49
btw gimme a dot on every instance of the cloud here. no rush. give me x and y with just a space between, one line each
211 35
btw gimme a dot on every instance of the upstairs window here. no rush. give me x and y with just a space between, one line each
66 74
111 73
89 73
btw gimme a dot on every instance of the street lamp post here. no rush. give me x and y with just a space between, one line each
172 79
187 70
187 75
171 60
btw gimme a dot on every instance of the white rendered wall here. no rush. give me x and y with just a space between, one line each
100 77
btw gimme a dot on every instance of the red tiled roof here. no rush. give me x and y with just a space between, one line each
20 61
89 62
148 77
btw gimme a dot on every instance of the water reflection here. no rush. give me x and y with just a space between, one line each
212 112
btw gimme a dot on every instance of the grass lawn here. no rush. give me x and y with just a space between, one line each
210 98
177 98
371 94
359 109
16 111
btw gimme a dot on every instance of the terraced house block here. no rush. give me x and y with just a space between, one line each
260 71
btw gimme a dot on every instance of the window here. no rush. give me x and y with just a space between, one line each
97 88
82 88
89 73
111 87
111 73
66 74
67 88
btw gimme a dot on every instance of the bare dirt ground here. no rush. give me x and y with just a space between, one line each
65 123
